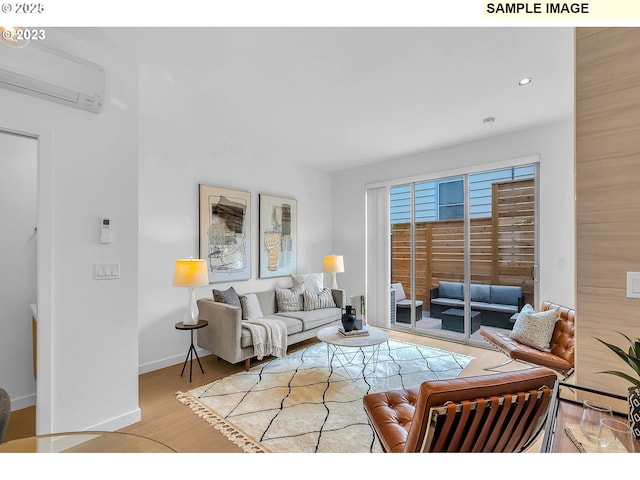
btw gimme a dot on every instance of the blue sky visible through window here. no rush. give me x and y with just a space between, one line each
443 199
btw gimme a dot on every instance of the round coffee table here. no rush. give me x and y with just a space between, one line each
350 352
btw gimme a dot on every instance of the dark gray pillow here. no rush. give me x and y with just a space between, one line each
228 296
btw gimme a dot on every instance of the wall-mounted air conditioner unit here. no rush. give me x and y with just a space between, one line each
54 75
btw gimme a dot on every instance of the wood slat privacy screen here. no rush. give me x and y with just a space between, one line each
501 247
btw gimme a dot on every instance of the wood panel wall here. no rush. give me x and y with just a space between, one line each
607 198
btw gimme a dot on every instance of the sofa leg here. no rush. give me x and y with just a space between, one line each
247 364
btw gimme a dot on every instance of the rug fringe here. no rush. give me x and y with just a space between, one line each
242 440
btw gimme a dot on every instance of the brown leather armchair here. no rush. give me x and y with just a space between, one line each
561 356
501 412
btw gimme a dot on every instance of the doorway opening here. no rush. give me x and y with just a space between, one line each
18 287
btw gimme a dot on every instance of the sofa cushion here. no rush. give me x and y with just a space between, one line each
495 307
267 299
324 299
250 307
447 302
505 295
407 303
450 290
290 299
313 318
228 296
535 329
294 325
480 293
313 282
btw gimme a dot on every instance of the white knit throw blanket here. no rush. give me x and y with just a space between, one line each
269 337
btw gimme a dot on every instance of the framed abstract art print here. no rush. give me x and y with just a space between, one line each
278 236
225 233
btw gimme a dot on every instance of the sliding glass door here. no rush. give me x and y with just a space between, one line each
462 251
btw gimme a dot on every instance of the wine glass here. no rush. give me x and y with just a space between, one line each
592 413
615 436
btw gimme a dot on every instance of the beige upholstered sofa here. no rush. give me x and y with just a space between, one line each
226 338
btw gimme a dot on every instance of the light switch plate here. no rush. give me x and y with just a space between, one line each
633 284
106 271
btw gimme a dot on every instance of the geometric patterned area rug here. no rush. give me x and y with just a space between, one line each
305 404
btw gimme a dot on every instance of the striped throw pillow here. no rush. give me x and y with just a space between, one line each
289 299
313 301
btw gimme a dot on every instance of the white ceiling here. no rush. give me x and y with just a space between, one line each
342 97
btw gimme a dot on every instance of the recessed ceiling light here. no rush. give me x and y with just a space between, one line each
489 120
525 81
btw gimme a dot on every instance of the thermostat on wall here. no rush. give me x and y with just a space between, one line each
105 230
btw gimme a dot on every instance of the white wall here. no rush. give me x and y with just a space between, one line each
88 330
179 149
554 144
18 217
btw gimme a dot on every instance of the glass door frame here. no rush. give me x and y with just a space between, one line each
465 336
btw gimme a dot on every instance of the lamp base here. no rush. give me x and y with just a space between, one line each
335 281
191 313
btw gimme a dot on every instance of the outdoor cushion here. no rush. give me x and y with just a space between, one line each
407 303
448 302
498 307
505 295
450 290
400 295
480 293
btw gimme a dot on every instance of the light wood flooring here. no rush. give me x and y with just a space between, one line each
168 421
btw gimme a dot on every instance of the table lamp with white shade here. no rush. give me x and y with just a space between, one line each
334 264
190 273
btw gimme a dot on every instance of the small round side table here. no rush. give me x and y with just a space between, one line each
192 349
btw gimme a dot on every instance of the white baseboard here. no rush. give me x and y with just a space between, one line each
118 422
167 362
23 402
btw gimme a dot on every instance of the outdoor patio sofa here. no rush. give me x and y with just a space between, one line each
497 304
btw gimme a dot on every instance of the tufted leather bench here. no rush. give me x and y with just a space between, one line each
400 418
561 356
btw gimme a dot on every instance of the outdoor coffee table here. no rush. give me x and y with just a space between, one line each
453 319
347 350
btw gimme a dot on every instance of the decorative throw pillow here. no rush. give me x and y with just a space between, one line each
289 299
250 307
324 299
228 296
313 282
535 329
